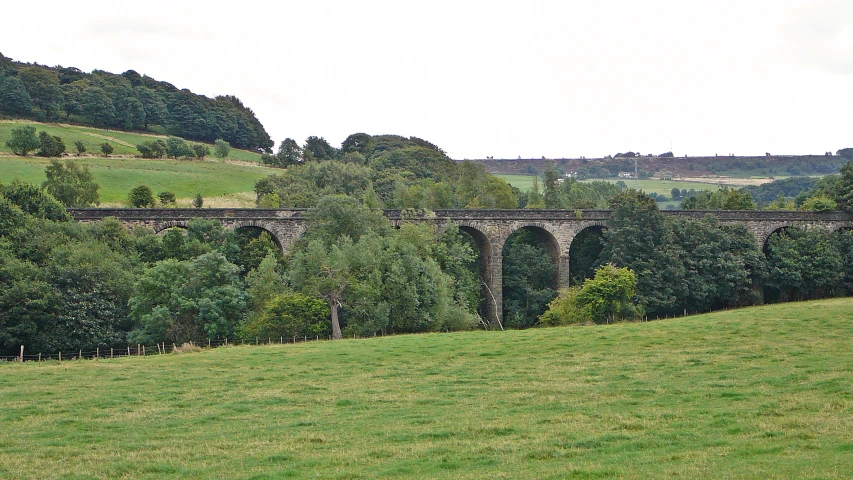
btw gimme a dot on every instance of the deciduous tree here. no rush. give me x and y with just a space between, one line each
23 140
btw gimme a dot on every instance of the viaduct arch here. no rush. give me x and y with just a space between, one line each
489 228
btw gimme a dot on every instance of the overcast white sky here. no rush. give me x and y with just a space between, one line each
490 78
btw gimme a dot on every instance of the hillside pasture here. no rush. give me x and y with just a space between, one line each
762 392
124 143
117 175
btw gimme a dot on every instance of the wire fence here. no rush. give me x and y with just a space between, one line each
140 350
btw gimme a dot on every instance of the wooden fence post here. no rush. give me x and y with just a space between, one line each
60 356
97 352
21 358
111 352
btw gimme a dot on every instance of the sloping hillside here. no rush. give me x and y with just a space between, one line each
756 393
225 182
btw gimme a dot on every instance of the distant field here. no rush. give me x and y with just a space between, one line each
117 176
124 143
749 394
226 183
662 187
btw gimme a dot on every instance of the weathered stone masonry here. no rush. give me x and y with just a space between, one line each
489 228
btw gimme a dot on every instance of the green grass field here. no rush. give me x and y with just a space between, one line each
661 187
754 393
124 143
223 182
117 176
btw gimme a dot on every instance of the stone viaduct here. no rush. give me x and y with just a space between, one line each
489 228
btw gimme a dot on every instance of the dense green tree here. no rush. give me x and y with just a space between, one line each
177 147
288 315
846 153
723 199
44 90
152 105
166 198
553 195
71 185
263 283
199 151
535 199
50 146
339 216
11 217
358 142
820 203
317 149
198 201
107 149
608 295
14 99
638 237
141 196
842 189
80 147
528 279
583 254
152 149
73 97
565 310
178 301
34 201
23 140
327 272
221 148
25 302
92 284
803 264
289 153
98 107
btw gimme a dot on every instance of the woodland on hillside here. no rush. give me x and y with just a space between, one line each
128 101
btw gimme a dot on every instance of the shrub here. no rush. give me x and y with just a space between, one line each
221 148
107 149
50 146
199 151
141 196
166 198
288 315
23 140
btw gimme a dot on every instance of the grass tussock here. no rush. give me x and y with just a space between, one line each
187 348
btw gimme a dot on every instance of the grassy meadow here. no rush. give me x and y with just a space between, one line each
755 393
226 183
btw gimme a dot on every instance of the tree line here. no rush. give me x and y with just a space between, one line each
688 266
70 286
128 101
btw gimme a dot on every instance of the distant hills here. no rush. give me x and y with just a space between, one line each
127 101
671 167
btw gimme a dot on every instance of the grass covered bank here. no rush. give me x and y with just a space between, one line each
755 393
